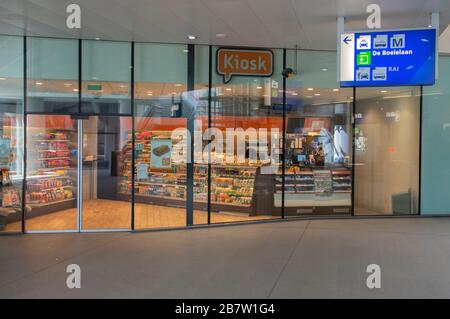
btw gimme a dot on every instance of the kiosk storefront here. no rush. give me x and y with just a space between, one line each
67 150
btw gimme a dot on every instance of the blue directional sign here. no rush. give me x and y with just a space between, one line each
388 58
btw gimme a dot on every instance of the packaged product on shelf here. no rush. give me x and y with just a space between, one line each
10 198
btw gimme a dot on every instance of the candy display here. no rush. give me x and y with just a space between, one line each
10 197
50 165
51 195
231 185
43 184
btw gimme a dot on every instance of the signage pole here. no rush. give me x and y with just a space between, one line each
340 30
435 24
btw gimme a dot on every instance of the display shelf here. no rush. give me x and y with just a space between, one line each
37 204
56 187
53 168
50 158
232 184
304 182
50 140
342 181
45 177
159 184
50 187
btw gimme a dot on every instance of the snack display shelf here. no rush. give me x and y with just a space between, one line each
56 187
232 184
296 182
50 187
342 181
303 182
45 177
306 189
38 204
50 158
50 140
53 168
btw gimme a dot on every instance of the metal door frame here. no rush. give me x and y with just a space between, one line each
79 228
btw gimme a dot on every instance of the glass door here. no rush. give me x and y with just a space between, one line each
51 174
105 174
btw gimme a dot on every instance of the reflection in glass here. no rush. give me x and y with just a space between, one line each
11 133
161 106
435 171
247 112
106 173
387 151
106 77
52 70
318 178
51 191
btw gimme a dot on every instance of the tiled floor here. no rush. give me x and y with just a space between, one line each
113 214
297 259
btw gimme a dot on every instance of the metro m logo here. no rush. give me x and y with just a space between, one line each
243 62
398 41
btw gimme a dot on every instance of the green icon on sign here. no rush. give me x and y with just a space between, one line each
364 58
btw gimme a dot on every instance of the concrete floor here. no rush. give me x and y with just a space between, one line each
301 259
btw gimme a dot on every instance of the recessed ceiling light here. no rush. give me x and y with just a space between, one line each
149 93
221 35
97 39
294 93
259 87
123 86
67 84
228 89
185 50
39 83
324 69
310 89
178 84
75 90
383 91
317 94
335 90
191 37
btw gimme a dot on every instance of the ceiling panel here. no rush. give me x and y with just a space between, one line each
243 20
310 24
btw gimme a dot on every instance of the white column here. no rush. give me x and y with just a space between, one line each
340 30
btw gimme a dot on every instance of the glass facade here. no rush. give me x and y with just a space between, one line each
12 138
387 134
160 85
245 114
52 76
120 135
435 175
106 77
318 162
51 166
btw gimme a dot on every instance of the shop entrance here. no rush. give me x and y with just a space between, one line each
73 170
